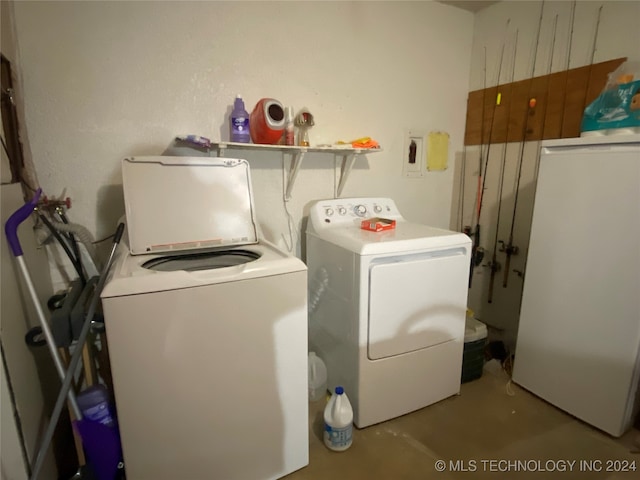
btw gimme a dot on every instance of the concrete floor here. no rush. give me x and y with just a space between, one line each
490 420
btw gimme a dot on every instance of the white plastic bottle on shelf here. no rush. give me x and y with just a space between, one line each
317 378
289 133
338 422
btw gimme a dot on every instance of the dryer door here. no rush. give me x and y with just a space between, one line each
417 301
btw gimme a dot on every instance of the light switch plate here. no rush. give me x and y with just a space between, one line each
413 162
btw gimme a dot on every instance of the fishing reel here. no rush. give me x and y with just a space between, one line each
478 256
508 249
493 266
477 252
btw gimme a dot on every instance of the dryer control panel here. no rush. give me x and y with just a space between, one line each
347 211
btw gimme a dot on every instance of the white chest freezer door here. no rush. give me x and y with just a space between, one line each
417 301
579 332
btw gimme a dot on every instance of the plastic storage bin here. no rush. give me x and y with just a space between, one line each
475 339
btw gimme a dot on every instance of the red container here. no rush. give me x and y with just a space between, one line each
266 122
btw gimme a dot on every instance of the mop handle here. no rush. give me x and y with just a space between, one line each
19 216
11 231
77 354
65 389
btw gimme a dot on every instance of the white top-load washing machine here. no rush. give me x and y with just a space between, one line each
387 309
207 329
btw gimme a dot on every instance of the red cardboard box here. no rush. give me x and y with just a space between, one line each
377 224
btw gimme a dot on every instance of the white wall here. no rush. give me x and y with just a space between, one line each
618 36
105 80
18 314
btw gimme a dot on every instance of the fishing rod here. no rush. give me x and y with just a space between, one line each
463 168
595 38
467 228
566 78
511 249
593 53
484 104
494 263
595 35
593 50
479 251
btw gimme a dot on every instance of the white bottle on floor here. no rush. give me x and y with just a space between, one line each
338 422
317 378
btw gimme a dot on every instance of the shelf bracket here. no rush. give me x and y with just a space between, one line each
347 164
297 153
296 160
219 149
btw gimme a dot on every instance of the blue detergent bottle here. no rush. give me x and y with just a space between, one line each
239 122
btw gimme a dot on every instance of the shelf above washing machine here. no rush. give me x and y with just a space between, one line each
347 154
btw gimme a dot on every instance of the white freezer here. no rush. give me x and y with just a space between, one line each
579 334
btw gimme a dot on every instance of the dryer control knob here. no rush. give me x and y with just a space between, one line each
377 208
328 212
360 210
342 211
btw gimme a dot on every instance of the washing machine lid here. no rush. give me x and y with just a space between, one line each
186 203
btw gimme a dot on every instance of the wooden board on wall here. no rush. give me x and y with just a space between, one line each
518 115
560 102
574 101
554 107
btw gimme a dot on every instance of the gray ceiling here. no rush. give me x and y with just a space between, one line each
470 5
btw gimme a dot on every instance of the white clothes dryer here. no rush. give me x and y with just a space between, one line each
387 309
208 332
